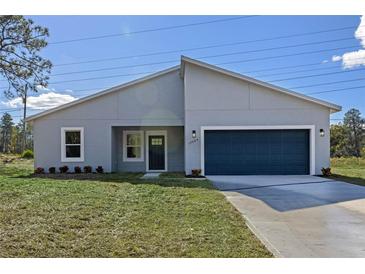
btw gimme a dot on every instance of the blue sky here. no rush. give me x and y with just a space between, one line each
254 28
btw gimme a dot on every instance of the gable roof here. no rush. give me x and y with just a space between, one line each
181 67
103 92
184 59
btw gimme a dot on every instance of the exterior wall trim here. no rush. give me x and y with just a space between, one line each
312 156
152 133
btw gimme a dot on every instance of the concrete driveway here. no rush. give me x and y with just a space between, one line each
300 216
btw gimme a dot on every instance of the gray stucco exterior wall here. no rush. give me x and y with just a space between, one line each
214 99
179 104
156 102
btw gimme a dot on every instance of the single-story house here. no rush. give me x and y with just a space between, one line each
191 116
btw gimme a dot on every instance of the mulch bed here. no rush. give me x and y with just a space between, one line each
70 176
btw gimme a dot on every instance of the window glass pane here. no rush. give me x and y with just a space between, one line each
134 139
156 141
73 137
73 151
133 152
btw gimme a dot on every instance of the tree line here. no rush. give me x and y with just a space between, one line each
11 135
348 136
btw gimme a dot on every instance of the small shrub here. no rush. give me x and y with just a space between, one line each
52 170
63 169
28 154
88 169
326 171
39 170
77 169
196 172
99 169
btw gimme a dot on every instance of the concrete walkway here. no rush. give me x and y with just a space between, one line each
300 216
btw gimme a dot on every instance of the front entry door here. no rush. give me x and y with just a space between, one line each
156 152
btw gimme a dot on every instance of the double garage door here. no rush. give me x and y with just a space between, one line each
256 152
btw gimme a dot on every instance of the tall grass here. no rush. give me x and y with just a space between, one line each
348 162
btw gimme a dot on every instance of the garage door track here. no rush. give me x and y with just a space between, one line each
300 216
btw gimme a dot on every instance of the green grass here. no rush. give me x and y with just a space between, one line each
172 175
349 169
117 215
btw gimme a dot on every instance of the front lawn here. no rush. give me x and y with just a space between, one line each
349 169
117 215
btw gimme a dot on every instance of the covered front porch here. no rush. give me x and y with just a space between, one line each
147 149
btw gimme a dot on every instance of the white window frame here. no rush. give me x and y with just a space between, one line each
63 144
125 133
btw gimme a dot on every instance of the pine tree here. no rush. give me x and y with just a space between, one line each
354 125
6 126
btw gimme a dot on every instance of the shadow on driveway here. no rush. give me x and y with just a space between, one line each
285 193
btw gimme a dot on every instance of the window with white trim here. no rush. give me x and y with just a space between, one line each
133 142
72 144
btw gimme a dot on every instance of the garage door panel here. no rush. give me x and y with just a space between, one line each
263 152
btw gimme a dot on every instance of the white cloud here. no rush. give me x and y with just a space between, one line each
41 88
336 58
354 59
360 32
43 101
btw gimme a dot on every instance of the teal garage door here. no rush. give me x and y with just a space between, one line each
256 152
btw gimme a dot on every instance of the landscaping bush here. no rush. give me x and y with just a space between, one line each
28 154
196 172
39 170
52 170
88 169
77 169
326 171
63 169
99 169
